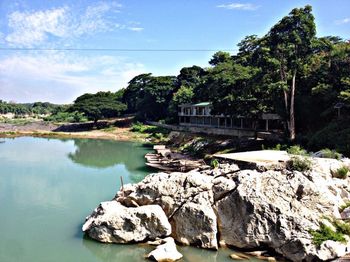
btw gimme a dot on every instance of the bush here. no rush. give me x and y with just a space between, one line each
327 153
300 164
297 150
325 233
341 172
74 117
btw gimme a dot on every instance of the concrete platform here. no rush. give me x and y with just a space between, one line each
261 157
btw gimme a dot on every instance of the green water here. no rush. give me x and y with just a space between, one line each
48 187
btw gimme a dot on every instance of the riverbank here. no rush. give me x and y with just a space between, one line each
105 130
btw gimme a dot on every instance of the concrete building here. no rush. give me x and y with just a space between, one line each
199 115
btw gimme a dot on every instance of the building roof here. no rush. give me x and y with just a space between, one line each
203 104
198 104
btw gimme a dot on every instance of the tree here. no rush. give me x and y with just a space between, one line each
220 57
290 43
157 94
135 91
98 106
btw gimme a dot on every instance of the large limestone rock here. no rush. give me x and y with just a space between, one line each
275 210
166 251
112 222
187 200
245 209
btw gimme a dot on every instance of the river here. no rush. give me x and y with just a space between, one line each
48 187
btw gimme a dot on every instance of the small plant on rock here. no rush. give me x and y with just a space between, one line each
297 163
325 233
214 163
341 172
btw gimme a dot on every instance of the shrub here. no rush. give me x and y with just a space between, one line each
326 233
300 164
341 172
327 153
297 150
71 117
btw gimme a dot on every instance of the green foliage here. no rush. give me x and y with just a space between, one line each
68 117
341 172
297 150
334 135
299 163
326 233
347 204
154 132
98 106
214 163
328 153
31 109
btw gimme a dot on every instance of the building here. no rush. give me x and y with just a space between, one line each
199 115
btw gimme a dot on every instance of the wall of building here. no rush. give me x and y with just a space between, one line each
208 130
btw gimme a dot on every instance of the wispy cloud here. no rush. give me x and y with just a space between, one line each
343 21
60 78
239 6
32 28
136 29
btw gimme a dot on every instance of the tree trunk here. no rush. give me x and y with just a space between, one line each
95 124
291 109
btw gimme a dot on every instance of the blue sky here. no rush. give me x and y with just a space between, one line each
61 76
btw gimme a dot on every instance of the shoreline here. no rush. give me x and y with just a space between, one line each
48 130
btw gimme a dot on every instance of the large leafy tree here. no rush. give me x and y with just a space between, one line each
135 91
156 97
290 43
98 106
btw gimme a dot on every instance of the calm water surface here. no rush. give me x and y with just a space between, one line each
48 187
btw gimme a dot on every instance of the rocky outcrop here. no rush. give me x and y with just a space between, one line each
186 199
166 251
113 223
251 209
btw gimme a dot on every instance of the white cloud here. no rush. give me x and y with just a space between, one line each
136 29
60 78
239 6
28 29
343 21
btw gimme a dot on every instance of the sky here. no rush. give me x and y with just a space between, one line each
59 76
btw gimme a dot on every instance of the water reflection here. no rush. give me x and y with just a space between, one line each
116 252
104 154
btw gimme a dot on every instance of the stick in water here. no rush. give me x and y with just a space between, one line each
121 180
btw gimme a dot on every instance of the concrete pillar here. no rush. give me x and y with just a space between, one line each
225 122
267 125
242 123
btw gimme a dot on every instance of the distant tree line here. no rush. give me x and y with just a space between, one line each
21 109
